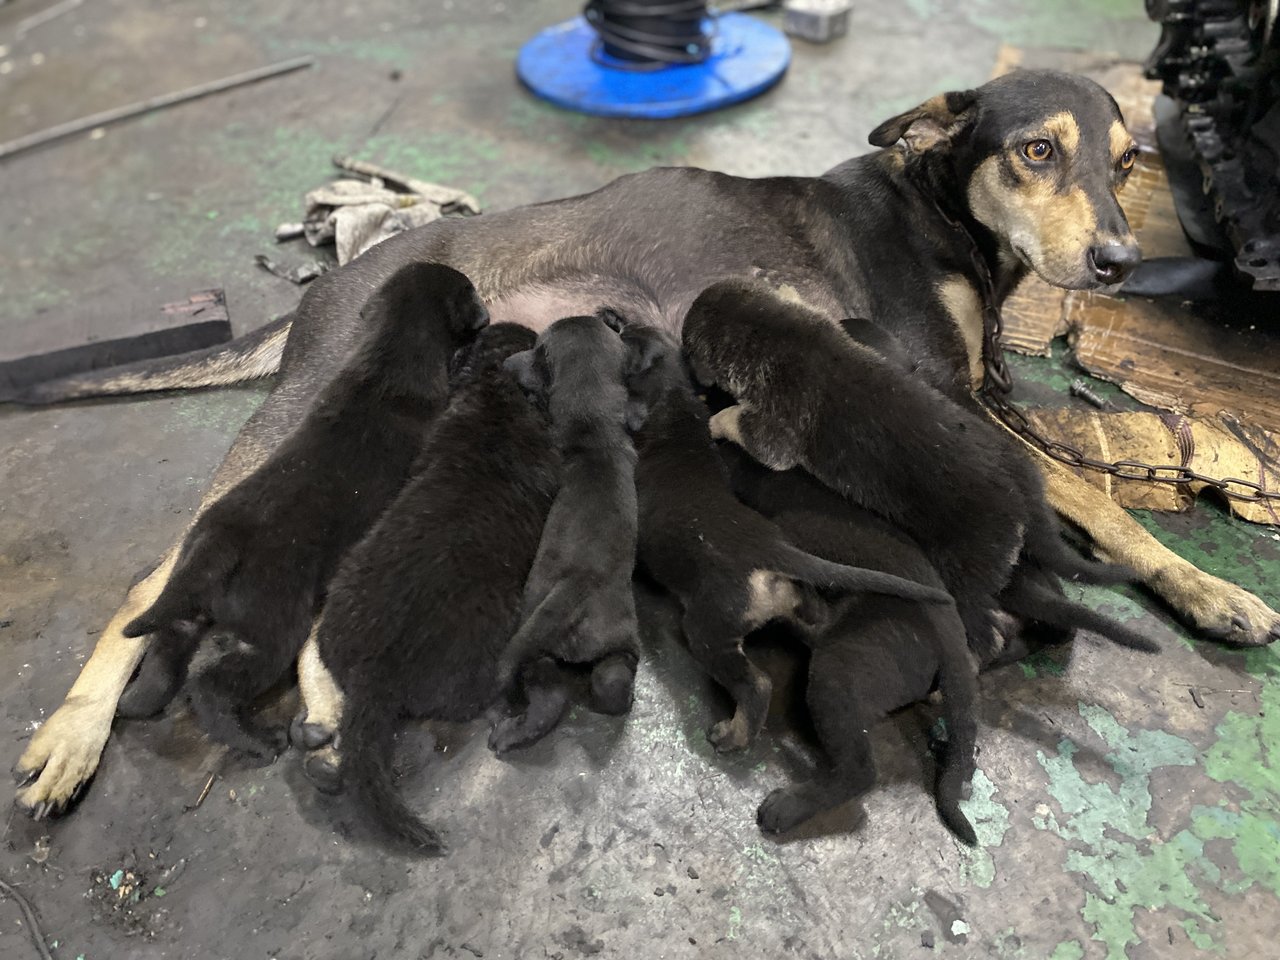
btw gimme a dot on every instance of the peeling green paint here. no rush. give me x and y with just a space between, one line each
990 820
1068 950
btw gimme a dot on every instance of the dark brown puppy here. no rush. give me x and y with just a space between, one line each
255 566
578 607
878 654
422 608
731 569
947 476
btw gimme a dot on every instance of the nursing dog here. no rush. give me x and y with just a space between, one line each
1024 170
578 605
955 482
730 568
878 653
255 566
423 607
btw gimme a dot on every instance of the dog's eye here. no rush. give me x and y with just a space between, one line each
1128 158
1038 150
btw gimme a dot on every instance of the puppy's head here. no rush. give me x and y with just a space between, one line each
653 364
491 348
1040 157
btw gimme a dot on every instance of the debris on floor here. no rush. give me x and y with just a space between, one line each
357 214
209 325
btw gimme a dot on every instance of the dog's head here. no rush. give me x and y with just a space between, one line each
1040 156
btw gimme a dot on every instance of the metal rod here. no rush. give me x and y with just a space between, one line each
128 111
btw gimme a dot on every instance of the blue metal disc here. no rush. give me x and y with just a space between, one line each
560 64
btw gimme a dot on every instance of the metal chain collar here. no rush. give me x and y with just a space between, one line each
998 382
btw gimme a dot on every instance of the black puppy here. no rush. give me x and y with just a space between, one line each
877 655
730 568
255 566
809 395
578 605
424 605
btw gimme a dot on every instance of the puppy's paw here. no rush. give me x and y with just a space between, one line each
613 686
511 733
785 809
730 735
309 736
324 769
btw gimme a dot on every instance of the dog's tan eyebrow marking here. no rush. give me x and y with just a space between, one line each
1063 128
1121 142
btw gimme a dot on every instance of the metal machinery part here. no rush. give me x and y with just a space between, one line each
1219 116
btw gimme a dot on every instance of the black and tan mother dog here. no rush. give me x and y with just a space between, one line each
1025 167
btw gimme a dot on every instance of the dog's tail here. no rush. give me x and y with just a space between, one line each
958 678
1034 601
249 357
367 744
826 574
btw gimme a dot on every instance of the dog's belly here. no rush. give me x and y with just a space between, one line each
538 305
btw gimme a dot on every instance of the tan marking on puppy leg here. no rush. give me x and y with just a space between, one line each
321 696
771 595
67 747
726 425
1213 605
963 303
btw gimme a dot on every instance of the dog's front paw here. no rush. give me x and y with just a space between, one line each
61 757
1218 609
786 808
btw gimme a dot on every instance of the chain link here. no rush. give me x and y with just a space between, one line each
998 382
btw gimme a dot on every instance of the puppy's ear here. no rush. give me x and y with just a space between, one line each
612 319
521 366
933 124
642 353
467 314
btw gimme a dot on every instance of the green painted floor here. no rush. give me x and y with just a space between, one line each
1118 817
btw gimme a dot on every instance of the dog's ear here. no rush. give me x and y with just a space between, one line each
612 319
527 373
932 124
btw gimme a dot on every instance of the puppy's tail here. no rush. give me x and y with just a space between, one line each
250 357
958 675
825 574
367 743
1034 601
1045 547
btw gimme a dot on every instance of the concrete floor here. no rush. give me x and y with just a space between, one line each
1117 817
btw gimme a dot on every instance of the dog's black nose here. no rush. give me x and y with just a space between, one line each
1112 262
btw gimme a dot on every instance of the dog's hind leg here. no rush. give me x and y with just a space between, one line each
546 688
64 753
320 712
1220 610
717 646
842 717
